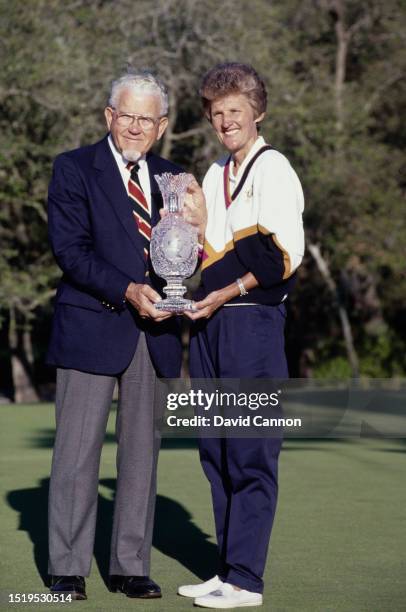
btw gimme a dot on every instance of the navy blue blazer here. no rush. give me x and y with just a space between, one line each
96 244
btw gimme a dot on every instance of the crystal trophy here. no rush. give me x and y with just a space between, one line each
174 245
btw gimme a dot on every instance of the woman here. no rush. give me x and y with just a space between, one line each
253 245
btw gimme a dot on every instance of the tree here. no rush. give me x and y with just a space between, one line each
334 73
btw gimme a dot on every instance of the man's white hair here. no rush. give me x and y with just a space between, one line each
142 81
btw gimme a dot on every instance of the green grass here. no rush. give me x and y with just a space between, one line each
338 544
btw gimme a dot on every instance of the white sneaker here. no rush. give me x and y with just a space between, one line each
197 590
227 597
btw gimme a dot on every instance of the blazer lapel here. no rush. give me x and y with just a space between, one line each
109 179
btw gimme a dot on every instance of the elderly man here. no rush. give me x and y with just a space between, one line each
103 201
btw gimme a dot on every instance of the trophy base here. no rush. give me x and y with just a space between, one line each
177 305
175 302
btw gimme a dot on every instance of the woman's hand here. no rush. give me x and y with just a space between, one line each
208 306
216 299
194 208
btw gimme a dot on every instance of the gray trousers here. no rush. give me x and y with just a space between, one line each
83 403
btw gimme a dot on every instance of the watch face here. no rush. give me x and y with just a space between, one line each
176 245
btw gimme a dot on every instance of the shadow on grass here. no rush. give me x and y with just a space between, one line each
31 504
175 534
44 438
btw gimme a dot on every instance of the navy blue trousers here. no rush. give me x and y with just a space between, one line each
241 342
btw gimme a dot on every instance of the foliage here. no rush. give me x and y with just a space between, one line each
334 73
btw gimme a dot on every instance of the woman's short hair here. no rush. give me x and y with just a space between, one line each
233 78
142 81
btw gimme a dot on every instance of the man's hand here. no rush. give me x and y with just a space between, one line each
143 298
194 208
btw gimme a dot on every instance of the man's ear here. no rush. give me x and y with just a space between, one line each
108 115
163 124
259 118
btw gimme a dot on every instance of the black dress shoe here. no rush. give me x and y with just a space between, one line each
135 586
71 585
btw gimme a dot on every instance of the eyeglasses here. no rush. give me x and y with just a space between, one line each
127 119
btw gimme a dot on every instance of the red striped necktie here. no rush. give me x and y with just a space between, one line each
140 206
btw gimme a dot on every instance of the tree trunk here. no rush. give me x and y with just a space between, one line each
21 362
343 38
342 312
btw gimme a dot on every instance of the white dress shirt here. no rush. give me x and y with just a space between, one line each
143 173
